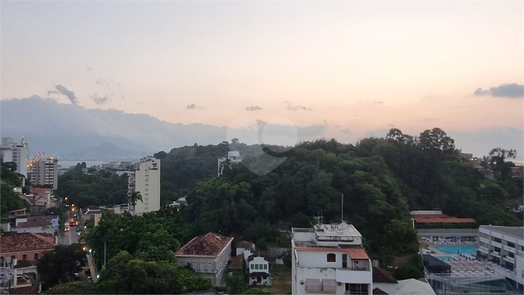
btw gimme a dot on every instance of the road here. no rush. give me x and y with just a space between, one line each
69 237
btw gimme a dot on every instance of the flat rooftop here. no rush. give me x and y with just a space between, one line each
517 232
334 230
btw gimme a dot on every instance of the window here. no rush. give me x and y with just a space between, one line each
252 266
2 259
512 245
24 256
331 257
256 266
265 266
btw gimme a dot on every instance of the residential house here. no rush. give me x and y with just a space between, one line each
383 281
330 259
19 253
209 255
39 224
17 213
25 246
258 269
243 246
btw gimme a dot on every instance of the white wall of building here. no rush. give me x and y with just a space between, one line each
147 182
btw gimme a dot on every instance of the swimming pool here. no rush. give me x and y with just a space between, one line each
446 258
457 249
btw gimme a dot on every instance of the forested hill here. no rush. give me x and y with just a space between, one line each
382 179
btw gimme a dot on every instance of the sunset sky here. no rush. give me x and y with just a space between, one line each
356 67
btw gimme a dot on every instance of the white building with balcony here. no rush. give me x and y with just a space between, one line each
503 247
330 259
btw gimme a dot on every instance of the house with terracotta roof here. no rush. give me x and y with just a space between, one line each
208 254
330 259
383 281
25 246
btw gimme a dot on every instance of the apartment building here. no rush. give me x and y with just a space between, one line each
146 180
10 151
330 259
45 172
503 247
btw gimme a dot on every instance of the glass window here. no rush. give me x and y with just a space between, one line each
36 256
265 266
331 257
24 256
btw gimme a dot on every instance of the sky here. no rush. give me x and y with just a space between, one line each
358 68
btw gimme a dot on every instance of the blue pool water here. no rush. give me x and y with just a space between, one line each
458 249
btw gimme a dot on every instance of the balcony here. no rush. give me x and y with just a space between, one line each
346 275
510 259
484 240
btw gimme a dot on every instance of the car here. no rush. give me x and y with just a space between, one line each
66 229
77 276
89 279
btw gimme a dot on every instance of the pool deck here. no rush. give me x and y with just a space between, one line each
430 248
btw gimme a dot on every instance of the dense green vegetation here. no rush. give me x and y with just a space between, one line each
61 264
140 235
9 180
92 188
379 180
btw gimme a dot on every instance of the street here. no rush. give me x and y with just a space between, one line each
69 237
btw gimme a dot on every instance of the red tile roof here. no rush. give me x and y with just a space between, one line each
383 276
210 244
33 289
353 253
236 262
17 242
33 223
441 218
39 190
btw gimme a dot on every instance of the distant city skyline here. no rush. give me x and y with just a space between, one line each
350 68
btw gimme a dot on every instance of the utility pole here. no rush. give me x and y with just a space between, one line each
342 208
105 253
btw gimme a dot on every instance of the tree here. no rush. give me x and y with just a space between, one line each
74 288
133 198
61 264
436 139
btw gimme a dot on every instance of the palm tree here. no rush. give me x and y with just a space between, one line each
133 197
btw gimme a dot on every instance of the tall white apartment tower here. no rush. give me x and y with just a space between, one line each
17 153
45 171
330 259
146 181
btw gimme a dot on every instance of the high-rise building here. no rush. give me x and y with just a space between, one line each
17 153
330 259
146 180
45 172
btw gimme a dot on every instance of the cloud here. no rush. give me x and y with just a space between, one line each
291 107
346 130
253 108
64 91
194 107
505 90
99 99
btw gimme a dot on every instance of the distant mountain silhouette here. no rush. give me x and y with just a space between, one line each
106 151
64 129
